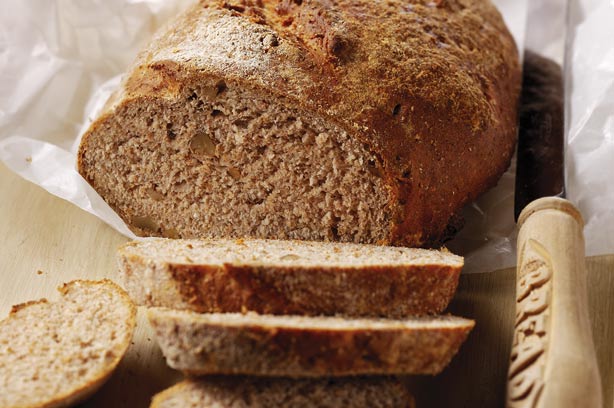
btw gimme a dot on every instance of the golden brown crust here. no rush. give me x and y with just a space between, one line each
16 308
430 87
326 352
378 291
158 400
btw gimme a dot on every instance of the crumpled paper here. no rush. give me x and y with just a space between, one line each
590 144
60 59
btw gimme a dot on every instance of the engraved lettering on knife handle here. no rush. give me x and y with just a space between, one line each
533 310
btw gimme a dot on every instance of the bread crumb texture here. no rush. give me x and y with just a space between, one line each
57 353
307 254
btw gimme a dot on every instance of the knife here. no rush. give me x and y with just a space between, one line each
553 361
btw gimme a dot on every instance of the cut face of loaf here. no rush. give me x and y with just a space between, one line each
364 122
219 160
298 346
250 392
55 354
289 277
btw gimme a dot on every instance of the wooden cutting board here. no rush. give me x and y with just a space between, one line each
47 241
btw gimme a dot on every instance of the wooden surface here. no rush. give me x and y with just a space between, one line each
47 241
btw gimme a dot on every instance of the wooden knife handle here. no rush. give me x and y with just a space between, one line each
553 362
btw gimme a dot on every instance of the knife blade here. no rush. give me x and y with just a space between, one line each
540 170
553 361
540 157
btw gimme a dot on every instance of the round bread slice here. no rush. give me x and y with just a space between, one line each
299 346
289 277
250 392
55 354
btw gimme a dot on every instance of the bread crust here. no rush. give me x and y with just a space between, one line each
378 291
430 87
201 347
85 390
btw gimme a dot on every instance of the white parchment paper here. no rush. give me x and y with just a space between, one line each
60 59
590 145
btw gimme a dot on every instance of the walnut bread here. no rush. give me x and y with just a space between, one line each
299 346
288 277
56 354
348 120
251 392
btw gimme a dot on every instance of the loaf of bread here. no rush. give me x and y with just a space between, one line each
355 120
298 346
55 354
250 392
289 277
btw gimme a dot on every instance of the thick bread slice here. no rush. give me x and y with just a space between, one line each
289 277
297 346
55 354
347 120
251 392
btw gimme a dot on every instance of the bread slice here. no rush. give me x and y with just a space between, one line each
251 392
355 121
289 277
55 354
298 346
